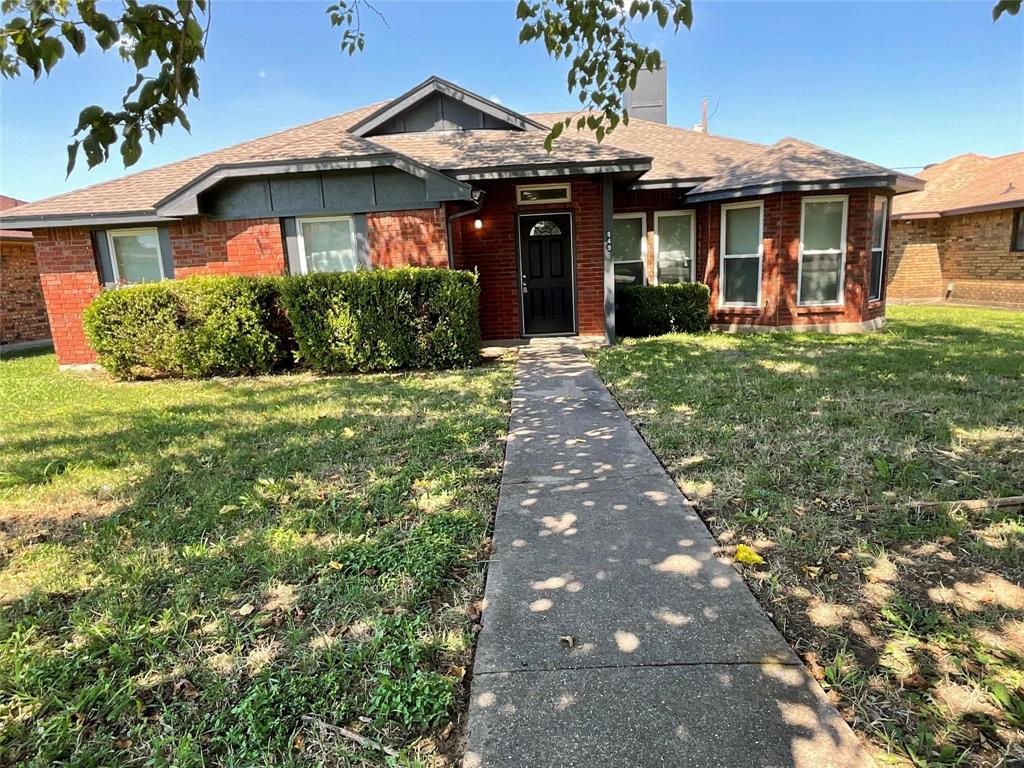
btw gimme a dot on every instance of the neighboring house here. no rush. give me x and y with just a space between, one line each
788 235
962 237
22 310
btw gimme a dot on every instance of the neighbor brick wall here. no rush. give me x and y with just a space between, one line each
67 273
914 269
491 251
967 255
22 307
408 238
237 247
978 261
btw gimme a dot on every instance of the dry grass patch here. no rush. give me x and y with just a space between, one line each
811 449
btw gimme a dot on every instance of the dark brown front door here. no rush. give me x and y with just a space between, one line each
546 273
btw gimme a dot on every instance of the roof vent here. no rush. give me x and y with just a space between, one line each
649 100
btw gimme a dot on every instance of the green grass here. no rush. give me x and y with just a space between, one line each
811 448
207 573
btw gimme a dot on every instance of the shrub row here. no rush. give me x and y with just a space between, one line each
359 321
651 310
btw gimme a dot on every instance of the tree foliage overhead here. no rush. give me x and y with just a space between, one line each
166 41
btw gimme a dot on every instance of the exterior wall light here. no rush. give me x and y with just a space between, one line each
478 224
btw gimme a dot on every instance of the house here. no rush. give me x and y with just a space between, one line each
22 311
961 238
787 236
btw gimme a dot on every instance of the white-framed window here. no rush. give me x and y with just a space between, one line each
135 255
822 251
880 222
629 248
742 246
675 246
535 194
327 244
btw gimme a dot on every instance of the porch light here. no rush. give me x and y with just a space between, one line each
478 224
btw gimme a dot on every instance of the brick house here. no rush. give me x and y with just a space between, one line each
787 236
22 310
961 238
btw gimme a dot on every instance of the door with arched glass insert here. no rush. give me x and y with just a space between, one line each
546 274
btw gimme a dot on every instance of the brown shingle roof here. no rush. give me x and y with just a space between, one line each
6 203
678 154
142 191
789 161
964 183
481 149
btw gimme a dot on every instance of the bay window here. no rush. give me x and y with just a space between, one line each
674 236
327 244
135 255
879 224
629 248
742 249
822 251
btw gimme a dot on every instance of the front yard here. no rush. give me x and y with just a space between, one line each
815 450
225 572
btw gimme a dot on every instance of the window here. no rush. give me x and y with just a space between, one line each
327 244
742 246
546 227
674 246
135 255
822 251
543 193
629 248
1017 244
880 222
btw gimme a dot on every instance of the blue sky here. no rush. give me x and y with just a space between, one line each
900 84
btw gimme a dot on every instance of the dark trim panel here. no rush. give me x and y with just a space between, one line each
83 220
544 171
877 182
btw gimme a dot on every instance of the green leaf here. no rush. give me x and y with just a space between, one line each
88 116
1011 7
72 155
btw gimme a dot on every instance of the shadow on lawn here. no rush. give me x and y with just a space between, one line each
342 511
801 445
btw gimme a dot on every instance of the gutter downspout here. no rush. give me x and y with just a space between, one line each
478 202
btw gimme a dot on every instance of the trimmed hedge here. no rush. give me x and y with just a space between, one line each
384 319
217 326
194 328
651 310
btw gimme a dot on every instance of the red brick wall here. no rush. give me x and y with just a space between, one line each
408 238
67 273
491 251
22 308
914 271
781 261
238 247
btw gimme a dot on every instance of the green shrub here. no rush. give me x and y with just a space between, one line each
384 319
651 310
194 328
360 321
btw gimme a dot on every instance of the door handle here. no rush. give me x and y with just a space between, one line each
525 289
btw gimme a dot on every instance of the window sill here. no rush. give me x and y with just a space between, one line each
816 309
743 309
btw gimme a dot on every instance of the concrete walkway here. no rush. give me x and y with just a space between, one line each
612 635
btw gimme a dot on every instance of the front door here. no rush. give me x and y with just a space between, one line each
546 273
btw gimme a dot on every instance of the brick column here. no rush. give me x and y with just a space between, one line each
67 273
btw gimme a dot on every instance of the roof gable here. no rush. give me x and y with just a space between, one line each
438 105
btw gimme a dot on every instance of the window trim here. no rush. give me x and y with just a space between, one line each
844 247
722 226
301 239
658 216
565 187
643 242
112 233
1018 216
881 248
